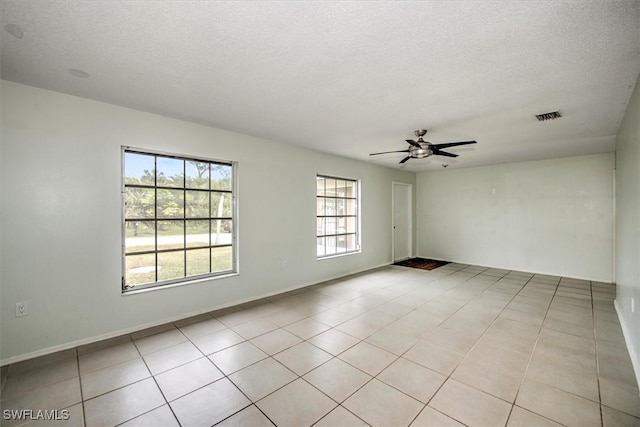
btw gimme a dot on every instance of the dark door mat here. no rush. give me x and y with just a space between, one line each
422 263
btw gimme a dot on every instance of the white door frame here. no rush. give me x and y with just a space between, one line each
409 226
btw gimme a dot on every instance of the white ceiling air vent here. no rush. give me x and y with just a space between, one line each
548 116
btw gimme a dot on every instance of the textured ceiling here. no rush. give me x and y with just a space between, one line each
348 78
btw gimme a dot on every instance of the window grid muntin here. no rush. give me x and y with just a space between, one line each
185 249
322 197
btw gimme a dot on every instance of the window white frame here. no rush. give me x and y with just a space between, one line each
337 216
178 219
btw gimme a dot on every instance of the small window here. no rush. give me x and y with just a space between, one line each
337 216
178 219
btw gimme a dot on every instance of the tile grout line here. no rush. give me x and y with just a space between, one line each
448 377
475 344
225 375
395 360
443 320
562 390
595 339
361 340
84 413
535 344
340 404
269 356
166 402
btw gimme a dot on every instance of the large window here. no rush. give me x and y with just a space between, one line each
337 202
178 219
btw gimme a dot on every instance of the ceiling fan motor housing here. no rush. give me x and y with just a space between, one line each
420 153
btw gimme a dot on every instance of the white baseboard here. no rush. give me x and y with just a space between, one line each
126 331
502 267
635 361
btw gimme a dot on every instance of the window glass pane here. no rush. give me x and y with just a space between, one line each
340 188
320 206
139 202
330 206
341 244
221 205
140 269
341 207
320 227
221 177
197 174
320 186
198 261
351 207
221 232
221 259
342 225
170 172
140 229
170 265
198 234
330 225
350 189
139 169
330 245
320 246
170 234
330 187
170 203
351 242
140 236
351 224
197 204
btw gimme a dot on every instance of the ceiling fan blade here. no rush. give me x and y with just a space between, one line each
387 152
405 159
452 144
443 153
414 143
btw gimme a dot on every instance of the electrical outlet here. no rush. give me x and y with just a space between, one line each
22 308
633 305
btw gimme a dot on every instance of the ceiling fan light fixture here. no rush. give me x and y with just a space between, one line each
422 152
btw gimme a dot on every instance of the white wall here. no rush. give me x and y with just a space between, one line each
628 226
551 216
61 213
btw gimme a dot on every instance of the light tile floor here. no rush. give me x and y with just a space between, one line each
459 345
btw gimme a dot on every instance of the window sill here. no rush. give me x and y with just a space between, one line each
338 255
135 291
